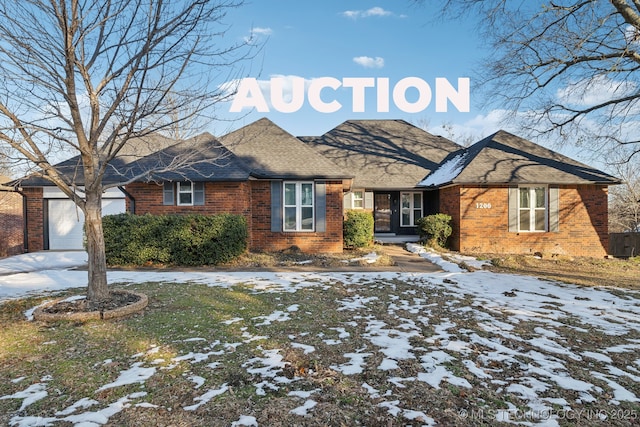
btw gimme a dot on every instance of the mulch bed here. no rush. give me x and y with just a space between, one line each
116 300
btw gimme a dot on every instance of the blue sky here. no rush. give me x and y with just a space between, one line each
359 39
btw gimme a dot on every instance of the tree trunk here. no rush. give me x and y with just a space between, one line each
97 289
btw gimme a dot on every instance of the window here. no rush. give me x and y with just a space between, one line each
298 206
185 194
532 209
410 209
357 199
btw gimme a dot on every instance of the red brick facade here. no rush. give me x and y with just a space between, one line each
252 199
263 239
35 218
11 224
480 218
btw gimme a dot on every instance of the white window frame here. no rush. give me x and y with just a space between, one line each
180 191
532 209
412 208
298 206
354 199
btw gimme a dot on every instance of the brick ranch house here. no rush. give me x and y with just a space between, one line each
505 194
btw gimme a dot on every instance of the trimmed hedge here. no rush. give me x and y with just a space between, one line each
174 239
435 229
358 229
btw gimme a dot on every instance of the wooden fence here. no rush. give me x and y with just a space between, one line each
624 244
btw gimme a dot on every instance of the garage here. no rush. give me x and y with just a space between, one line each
64 222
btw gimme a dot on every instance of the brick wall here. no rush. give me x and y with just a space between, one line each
35 219
263 239
253 200
11 224
583 216
219 197
449 202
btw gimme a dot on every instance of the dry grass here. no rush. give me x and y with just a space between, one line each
624 273
80 358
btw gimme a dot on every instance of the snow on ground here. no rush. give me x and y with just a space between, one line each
35 261
540 361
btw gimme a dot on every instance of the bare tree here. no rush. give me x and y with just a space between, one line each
89 76
567 68
624 200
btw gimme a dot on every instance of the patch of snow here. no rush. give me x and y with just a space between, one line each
369 258
206 397
80 404
46 260
354 366
267 367
596 356
445 173
355 303
135 374
306 348
276 316
304 409
394 410
30 395
245 420
433 257
197 380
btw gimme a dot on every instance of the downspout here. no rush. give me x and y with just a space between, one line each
132 200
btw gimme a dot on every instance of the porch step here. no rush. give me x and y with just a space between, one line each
391 238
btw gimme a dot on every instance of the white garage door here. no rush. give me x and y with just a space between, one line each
66 222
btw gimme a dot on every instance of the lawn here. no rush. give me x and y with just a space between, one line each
338 349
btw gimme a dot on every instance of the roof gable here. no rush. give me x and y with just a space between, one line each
506 158
268 151
201 158
383 153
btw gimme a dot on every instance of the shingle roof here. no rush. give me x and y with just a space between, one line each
201 158
383 154
505 158
268 151
135 149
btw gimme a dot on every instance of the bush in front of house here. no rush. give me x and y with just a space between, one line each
358 229
435 229
174 239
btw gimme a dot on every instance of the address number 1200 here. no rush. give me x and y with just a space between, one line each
483 205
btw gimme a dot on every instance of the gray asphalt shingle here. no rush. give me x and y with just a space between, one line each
383 154
506 158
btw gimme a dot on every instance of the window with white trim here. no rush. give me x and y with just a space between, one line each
185 193
410 208
357 199
532 208
298 204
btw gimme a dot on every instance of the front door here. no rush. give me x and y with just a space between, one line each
382 218
385 209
